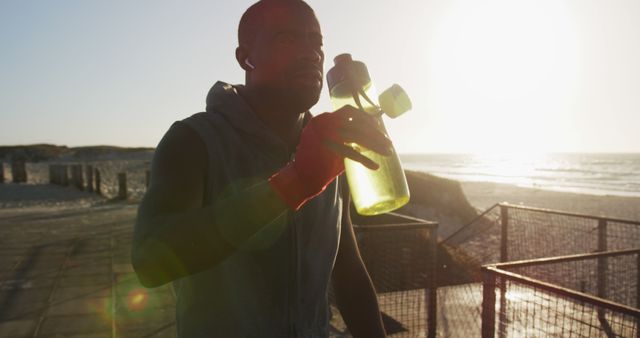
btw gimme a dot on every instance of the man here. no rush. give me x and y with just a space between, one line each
245 212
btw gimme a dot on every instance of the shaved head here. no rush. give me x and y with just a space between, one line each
253 18
280 49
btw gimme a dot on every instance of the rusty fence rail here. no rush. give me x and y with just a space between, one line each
562 296
507 232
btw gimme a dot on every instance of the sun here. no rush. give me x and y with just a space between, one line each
503 73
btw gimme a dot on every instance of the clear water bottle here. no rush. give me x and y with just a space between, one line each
378 191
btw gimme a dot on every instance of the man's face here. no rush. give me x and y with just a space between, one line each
288 57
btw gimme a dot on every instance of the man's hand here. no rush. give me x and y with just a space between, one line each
324 144
354 291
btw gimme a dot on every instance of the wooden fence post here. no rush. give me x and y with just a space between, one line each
56 174
56 171
64 175
19 170
76 176
89 174
97 175
52 174
80 177
59 179
122 186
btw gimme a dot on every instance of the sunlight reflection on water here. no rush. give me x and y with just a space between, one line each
599 174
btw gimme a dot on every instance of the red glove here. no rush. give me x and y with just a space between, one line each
317 163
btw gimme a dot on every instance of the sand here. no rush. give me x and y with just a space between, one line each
42 196
483 195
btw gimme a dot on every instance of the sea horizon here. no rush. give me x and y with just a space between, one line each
615 174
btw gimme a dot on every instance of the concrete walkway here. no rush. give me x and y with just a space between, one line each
66 272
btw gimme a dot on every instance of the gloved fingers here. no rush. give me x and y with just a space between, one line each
326 126
343 121
369 138
349 114
358 127
348 152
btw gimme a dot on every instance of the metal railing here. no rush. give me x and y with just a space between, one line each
401 260
562 296
507 232
519 232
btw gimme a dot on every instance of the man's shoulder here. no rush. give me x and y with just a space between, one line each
181 134
180 147
211 130
205 123
201 117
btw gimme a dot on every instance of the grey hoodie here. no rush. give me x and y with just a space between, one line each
275 285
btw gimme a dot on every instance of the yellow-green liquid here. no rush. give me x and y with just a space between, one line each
377 191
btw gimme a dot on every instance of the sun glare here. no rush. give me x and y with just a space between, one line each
503 72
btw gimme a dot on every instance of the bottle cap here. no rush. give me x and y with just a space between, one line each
394 101
345 68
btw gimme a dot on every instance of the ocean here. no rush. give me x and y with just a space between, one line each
599 174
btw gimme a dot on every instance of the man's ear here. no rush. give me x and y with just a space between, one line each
242 54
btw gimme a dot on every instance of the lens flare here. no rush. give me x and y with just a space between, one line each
137 299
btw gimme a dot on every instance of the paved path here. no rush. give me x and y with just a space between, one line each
66 272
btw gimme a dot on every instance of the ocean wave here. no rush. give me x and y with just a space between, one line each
590 173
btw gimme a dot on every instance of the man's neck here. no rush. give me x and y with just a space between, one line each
284 122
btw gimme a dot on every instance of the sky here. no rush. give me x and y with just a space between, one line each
491 76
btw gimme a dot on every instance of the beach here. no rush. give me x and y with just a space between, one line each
483 195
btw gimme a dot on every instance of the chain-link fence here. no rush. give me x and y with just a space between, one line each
567 296
401 261
509 232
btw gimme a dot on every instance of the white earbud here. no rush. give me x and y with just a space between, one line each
246 62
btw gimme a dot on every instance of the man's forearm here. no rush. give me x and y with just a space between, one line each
169 245
358 304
